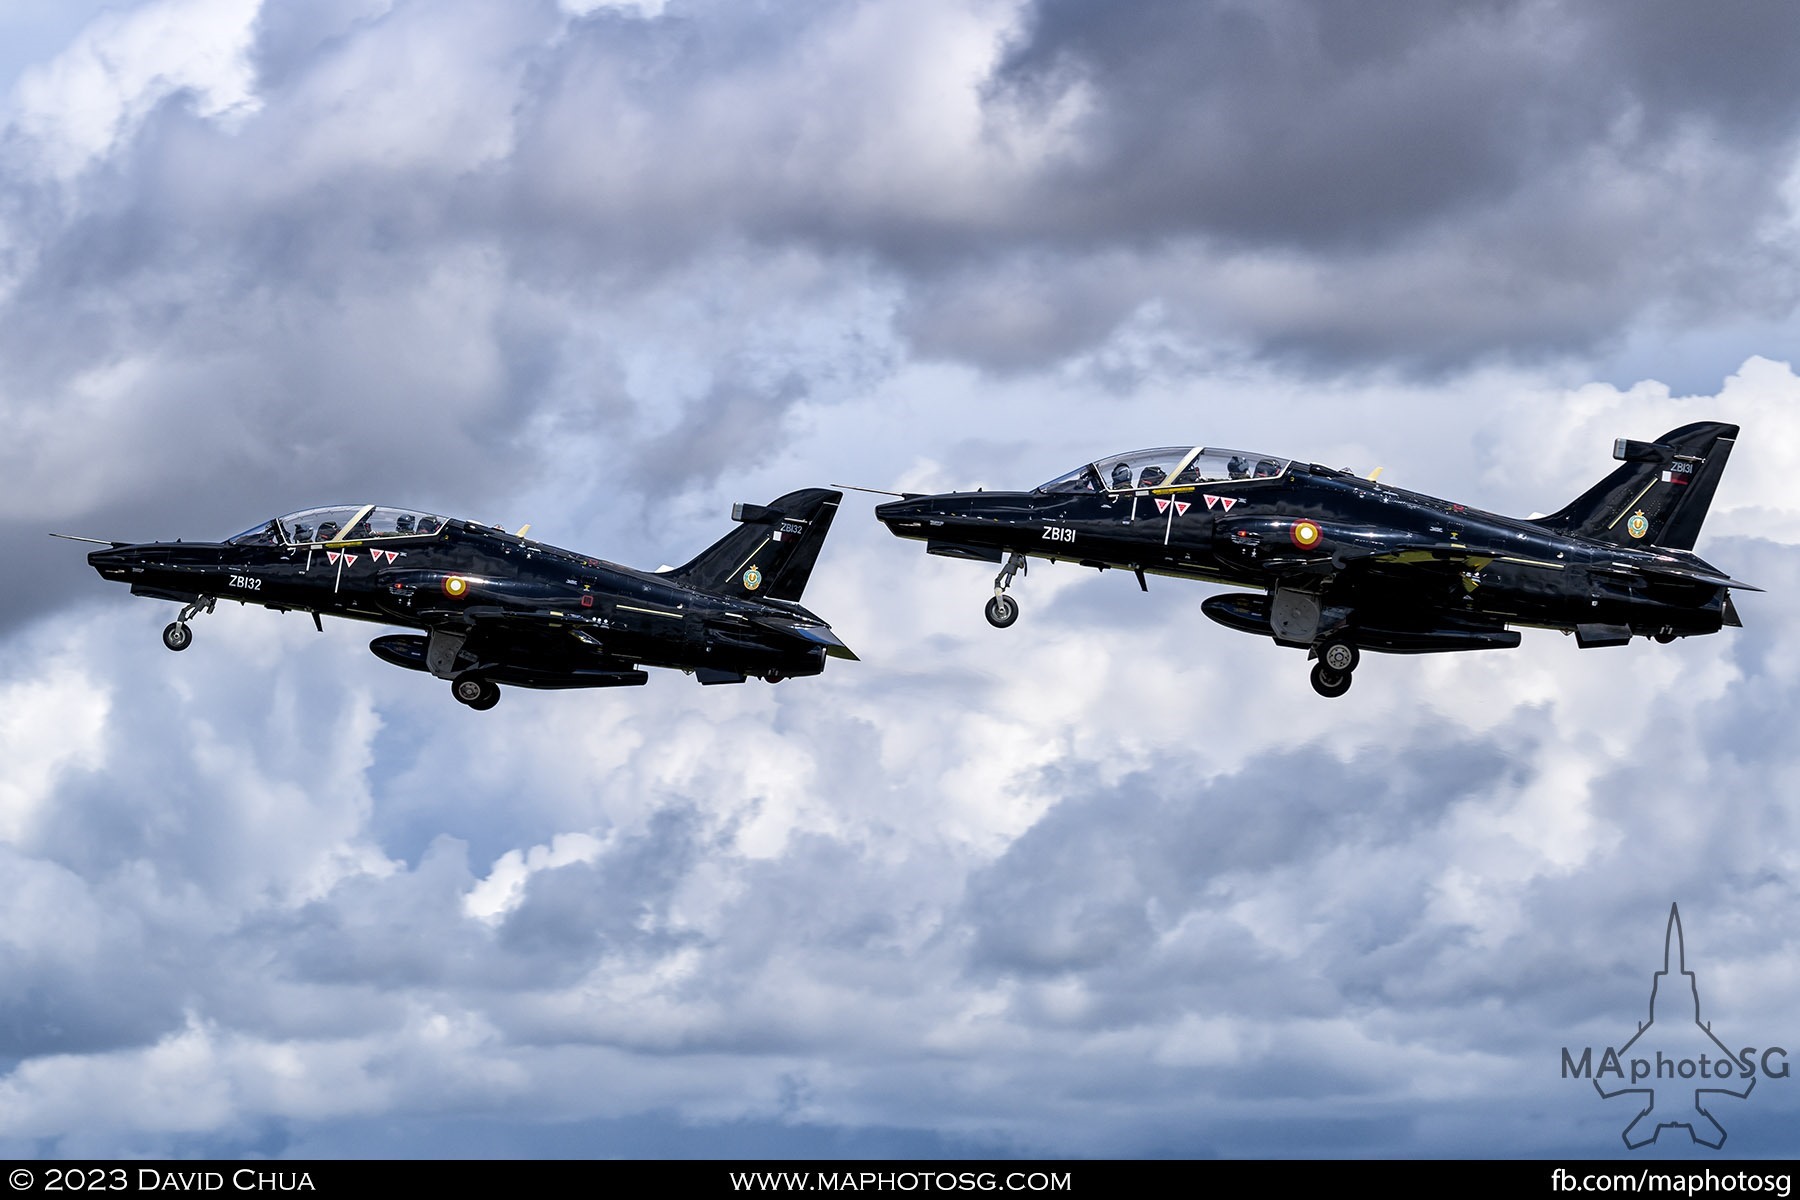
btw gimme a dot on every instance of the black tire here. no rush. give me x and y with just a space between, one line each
1002 611
490 696
773 677
1665 638
1330 683
471 690
1338 656
177 636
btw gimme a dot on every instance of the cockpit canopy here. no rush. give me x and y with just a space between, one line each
1167 467
343 523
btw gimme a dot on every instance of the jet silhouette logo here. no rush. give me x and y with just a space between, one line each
1674 1062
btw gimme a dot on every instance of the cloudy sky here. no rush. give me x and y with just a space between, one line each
1111 882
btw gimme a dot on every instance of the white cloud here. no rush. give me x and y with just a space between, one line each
91 98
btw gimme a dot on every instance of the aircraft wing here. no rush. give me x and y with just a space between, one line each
493 616
1298 568
1344 558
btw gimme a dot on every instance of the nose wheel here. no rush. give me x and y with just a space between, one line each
478 693
1331 675
1003 610
176 634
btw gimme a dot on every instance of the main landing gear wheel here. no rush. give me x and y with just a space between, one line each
1664 638
1330 683
479 694
1339 656
1003 610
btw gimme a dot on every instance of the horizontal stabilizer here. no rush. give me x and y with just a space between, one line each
1678 574
818 635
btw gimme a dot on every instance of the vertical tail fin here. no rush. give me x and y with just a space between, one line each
771 555
1661 494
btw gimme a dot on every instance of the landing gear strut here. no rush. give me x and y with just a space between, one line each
478 693
176 634
1337 659
1003 610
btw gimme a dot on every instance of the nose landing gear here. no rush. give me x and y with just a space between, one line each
176 634
1003 610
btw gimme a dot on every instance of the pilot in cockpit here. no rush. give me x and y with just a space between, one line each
403 524
303 533
1121 475
1189 473
327 530
1151 476
428 525
1238 467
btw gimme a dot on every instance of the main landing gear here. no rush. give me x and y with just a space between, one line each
176 634
478 693
1337 660
1003 610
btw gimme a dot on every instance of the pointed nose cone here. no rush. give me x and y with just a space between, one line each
121 561
909 510
113 561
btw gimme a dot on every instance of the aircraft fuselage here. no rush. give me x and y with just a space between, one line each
1342 563
496 607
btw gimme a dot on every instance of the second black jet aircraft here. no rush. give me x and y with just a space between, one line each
496 608
1344 564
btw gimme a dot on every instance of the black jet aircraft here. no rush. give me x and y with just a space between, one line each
1345 564
495 608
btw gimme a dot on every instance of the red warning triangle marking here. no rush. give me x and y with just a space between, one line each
349 559
1161 504
1181 507
1210 500
331 555
1227 501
